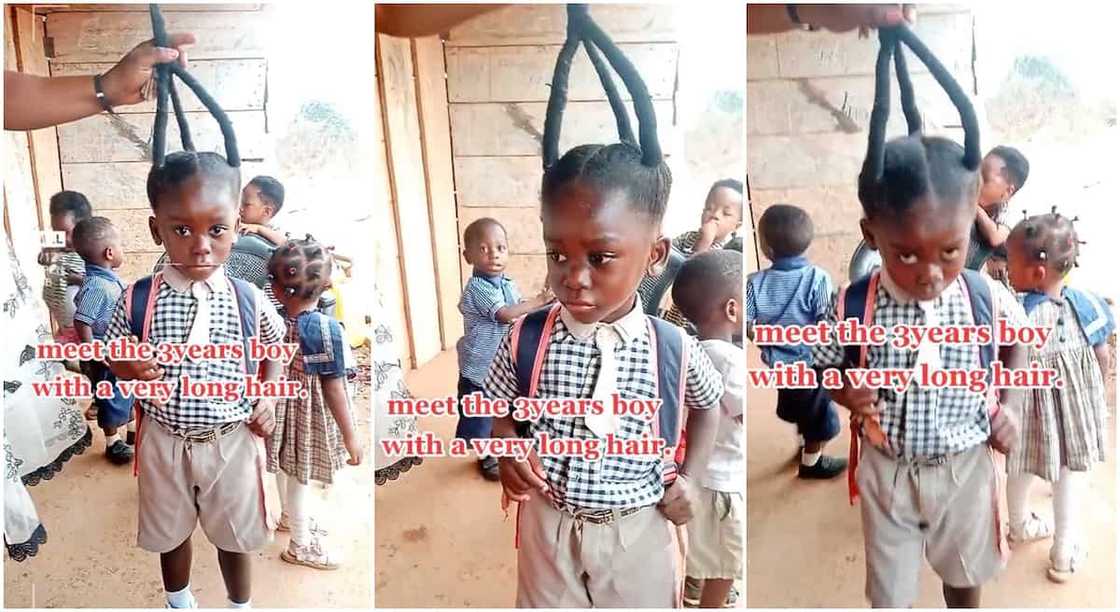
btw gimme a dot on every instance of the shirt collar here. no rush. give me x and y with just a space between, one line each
630 326
216 282
494 279
790 263
902 297
102 271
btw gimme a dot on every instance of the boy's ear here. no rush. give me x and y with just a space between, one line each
868 237
154 229
1038 273
658 256
731 309
466 257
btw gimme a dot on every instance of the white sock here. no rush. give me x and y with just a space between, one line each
181 599
1067 502
299 519
810 459
131 427
110 440
1018 498
234 604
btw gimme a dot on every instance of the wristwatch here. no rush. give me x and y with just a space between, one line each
99 91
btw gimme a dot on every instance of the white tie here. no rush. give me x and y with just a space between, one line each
929 352
606 385
200 328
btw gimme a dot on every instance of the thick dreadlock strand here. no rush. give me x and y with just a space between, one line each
621 116
906 92
558 94
301 268
180 117
872 173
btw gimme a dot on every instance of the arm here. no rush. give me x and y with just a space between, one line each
33 102
73 278
519 479
334 393
508 314
993 233
1103 358
274 236
705 237
425 20
85 332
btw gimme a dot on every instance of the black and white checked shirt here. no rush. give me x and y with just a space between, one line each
171 322
927 422
570 369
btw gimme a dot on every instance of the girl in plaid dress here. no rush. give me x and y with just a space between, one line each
314 436
1063 430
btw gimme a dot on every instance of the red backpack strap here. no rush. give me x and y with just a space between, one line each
859 425
140 303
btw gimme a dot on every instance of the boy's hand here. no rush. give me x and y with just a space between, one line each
354 447
520 478
708 230
263 419
860 400
1005 431
135 370
45 257
73 278
676 503
250 228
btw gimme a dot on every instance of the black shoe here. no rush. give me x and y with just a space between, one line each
130 438
119 453
826 467
489 469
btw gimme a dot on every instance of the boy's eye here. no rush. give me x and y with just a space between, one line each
218 230
556 257
599 259
951 253
908 258
181 230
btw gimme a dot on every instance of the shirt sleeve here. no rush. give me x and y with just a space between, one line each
751 302
483 298
324 350
90 302
822 300
734 381
272 325
703 383
831 353
501 381
118 323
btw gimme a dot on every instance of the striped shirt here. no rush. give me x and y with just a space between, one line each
173 314
979 251
790 292
56 285
482 298
97 299
570 369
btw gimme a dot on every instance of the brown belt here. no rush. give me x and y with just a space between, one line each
204 436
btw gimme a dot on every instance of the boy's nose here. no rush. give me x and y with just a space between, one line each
577 277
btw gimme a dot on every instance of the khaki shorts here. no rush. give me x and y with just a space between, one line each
715 535
562 562
218 483
947 512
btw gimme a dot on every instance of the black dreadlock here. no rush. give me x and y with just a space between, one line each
301 268
1049 239
635 166
168 170
898 173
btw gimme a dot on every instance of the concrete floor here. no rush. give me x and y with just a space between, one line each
91 558
806 534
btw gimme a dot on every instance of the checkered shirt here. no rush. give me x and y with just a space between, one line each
570 369
171 322
927 422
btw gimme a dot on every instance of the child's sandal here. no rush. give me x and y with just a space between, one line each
1062 570
311 555
1032 528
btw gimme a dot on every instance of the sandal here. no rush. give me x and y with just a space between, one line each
311 555
285 525
1032 528
1062 570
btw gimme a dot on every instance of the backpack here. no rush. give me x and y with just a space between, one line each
529 343
859 297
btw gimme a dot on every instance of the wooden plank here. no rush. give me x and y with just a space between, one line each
498 181
524 73
123 185
102 138
43 143
237 84
406 163
435 131
523 226
106 36
515 129
546 24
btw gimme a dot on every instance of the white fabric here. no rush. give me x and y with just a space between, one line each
1067 505
726 470
200 327
296 501
1018 497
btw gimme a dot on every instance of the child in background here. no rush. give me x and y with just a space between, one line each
793 291
200 459
261 201
100 246
489 304
1003 173
314 436
65 268
707 292
1064 428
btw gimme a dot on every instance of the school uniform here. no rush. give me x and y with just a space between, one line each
685 243
94 305
60 295
932 487
793 291
198 461
596 538
483 296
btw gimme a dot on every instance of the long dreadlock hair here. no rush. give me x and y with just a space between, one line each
169 171
635 166
898 173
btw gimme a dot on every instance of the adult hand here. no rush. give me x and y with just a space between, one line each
676 503
135 370
520 478
128 82
860 400
354 448
263 419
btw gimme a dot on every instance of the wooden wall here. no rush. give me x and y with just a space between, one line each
103 156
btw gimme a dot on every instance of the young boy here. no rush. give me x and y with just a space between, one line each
100 246
793 291
599 532
65 268
1003 173
489 304
200 457
261 201
707 292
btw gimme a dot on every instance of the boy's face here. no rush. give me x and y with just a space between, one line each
1023 272
254 209
924 250
598 249
488 251
197 225
725 208
994 187
64 222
